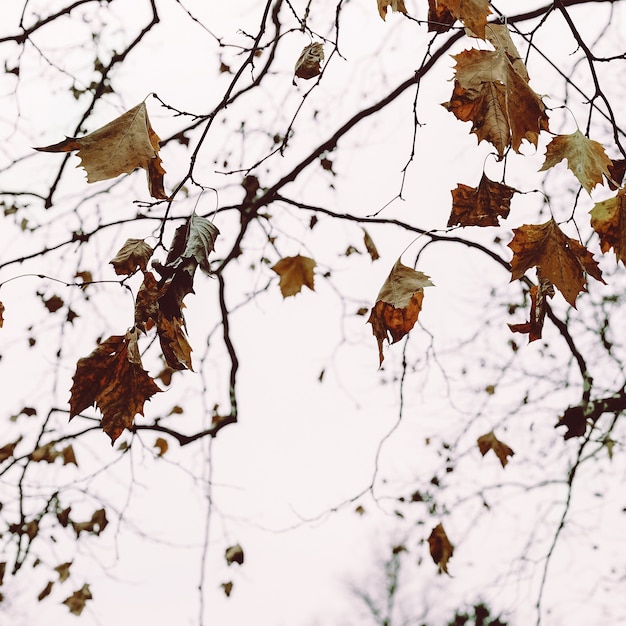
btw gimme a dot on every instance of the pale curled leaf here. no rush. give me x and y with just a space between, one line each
193 240
135 253
309 62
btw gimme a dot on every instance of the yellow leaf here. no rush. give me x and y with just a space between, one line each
608 219
585 158
294 272
490 442
119 147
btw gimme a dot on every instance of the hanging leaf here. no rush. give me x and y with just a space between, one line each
439 18
194 240
64 571
309 62
538 307
472 13
585 158
76 602
608 219
234 554
135 253
162 445
95 525
490 442
174 342
112 378
227 587
46 591
295 272
482 205
441 550
6 452
563 261
146 303
2 309
398 304
397 6
119 147
370 246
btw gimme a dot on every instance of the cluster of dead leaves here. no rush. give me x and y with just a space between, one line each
112 377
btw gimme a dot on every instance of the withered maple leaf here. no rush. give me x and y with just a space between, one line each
539 295
396 6
146 303
174 342
563 261
586 158
119 147
490 91
295 272
482 205
472 13
112 378
398 304
441 550
309 62
76 602
439 18
608 219
489 441
135 253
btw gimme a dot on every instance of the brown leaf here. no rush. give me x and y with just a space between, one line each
162 445
397 6
585 158
68 456
308 64
174 343
617 170
439 18
234 554
135 253
608 219
294 272
441 550
64 571
563 261
490 92
46 453
482 205
146 305
76 602
1 315
398 304
7 450
46 591
490 442
472 13
227 587
53 304
117 386
538 307
95 525
370 246
119 147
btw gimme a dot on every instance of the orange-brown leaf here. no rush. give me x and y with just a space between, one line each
146 303
112 379
490 442
441 550
119 147
135 253
396 6
174 343
7 450
608 219
563 261
95 525
76 602
1 315
308 64
295 272
538 307
398 304
439 18
482 205
490 92
585 158
472 13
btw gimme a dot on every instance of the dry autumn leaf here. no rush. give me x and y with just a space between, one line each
46 591
538 307
309 62
119 147
585 158
64 571
174 342
6 452
490 91
1 315
162 445
490 442
146 303
608 219
227 587
472 13
370 246
112 379
482 205
234 554
563 261
95 525
398 304
439 18
397 6
76 602
135 253
441 550
295 272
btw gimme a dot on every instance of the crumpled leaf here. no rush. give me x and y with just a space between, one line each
295 272
234 554
563 261
585 158
439 17
482 205
135 253
76 602
309 62
174 342
441 550
112 378
397 6
539 295
194 240
608 219
398 304
472 13
119 147
489 441
492 93
146 303
95 525
370 246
